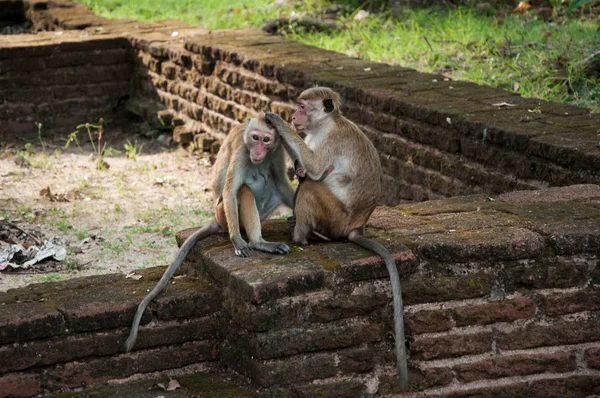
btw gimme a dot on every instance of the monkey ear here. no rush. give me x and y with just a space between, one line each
328 105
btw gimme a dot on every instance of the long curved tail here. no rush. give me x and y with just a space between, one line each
209 229
370 244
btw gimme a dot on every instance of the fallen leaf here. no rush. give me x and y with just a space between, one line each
53 197
133 275
502 104
522 7
173 385
362 14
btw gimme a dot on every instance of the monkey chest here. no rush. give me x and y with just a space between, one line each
260 183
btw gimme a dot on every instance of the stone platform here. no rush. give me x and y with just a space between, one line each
501 297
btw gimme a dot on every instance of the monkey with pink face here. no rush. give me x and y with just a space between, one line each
249 181
342 186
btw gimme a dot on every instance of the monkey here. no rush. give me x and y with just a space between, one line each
341 186
249 180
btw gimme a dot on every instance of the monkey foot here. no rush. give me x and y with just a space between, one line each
271 247
291 225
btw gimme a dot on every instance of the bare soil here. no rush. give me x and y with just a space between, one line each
116 220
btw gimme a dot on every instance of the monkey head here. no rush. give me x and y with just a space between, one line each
314 106
260 138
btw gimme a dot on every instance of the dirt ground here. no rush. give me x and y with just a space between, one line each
116 220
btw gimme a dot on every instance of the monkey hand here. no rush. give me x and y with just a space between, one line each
241 248
271 247
300 171
276 121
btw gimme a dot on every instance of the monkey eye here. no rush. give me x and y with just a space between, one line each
266 139
301 106
255 137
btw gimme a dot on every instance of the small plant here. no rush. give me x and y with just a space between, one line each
81 234
39 134
100 151
132 150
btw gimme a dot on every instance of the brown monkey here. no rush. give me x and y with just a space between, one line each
249 181
342 187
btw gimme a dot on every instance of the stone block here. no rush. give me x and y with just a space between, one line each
540 335
29 321
451 346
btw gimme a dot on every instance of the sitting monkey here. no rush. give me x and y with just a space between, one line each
249 180
342 188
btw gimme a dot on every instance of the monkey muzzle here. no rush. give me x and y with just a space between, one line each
257 157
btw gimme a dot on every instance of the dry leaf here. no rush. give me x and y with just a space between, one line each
173 385
53 197
362 14
502 104
515 87
133 275
522 7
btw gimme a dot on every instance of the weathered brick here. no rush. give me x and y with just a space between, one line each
499 311
517 365
333 389
546 274
563 387
169 70
21 356
418 379
28 321
314 337
427 290
91 371
90 90
22 64
451 346
429 321
559 333
15 385
304 367
36 95
504 243
592 358
100 308
566 303
188 298
173 357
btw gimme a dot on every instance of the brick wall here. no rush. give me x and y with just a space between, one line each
71 334
59 81
501 299
501 292
437 138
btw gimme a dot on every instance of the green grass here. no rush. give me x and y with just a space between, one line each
522 53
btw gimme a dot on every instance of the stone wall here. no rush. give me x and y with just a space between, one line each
59 81
501 291
437 138
71 334
501 299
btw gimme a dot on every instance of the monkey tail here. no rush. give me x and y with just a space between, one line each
209 229
370 244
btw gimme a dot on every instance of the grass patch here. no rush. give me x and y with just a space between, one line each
521 53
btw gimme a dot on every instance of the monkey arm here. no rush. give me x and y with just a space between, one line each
236 173
282 183
314 166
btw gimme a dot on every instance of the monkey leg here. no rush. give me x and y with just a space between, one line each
318 213
250 221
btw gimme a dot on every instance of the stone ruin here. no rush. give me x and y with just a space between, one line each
498 261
